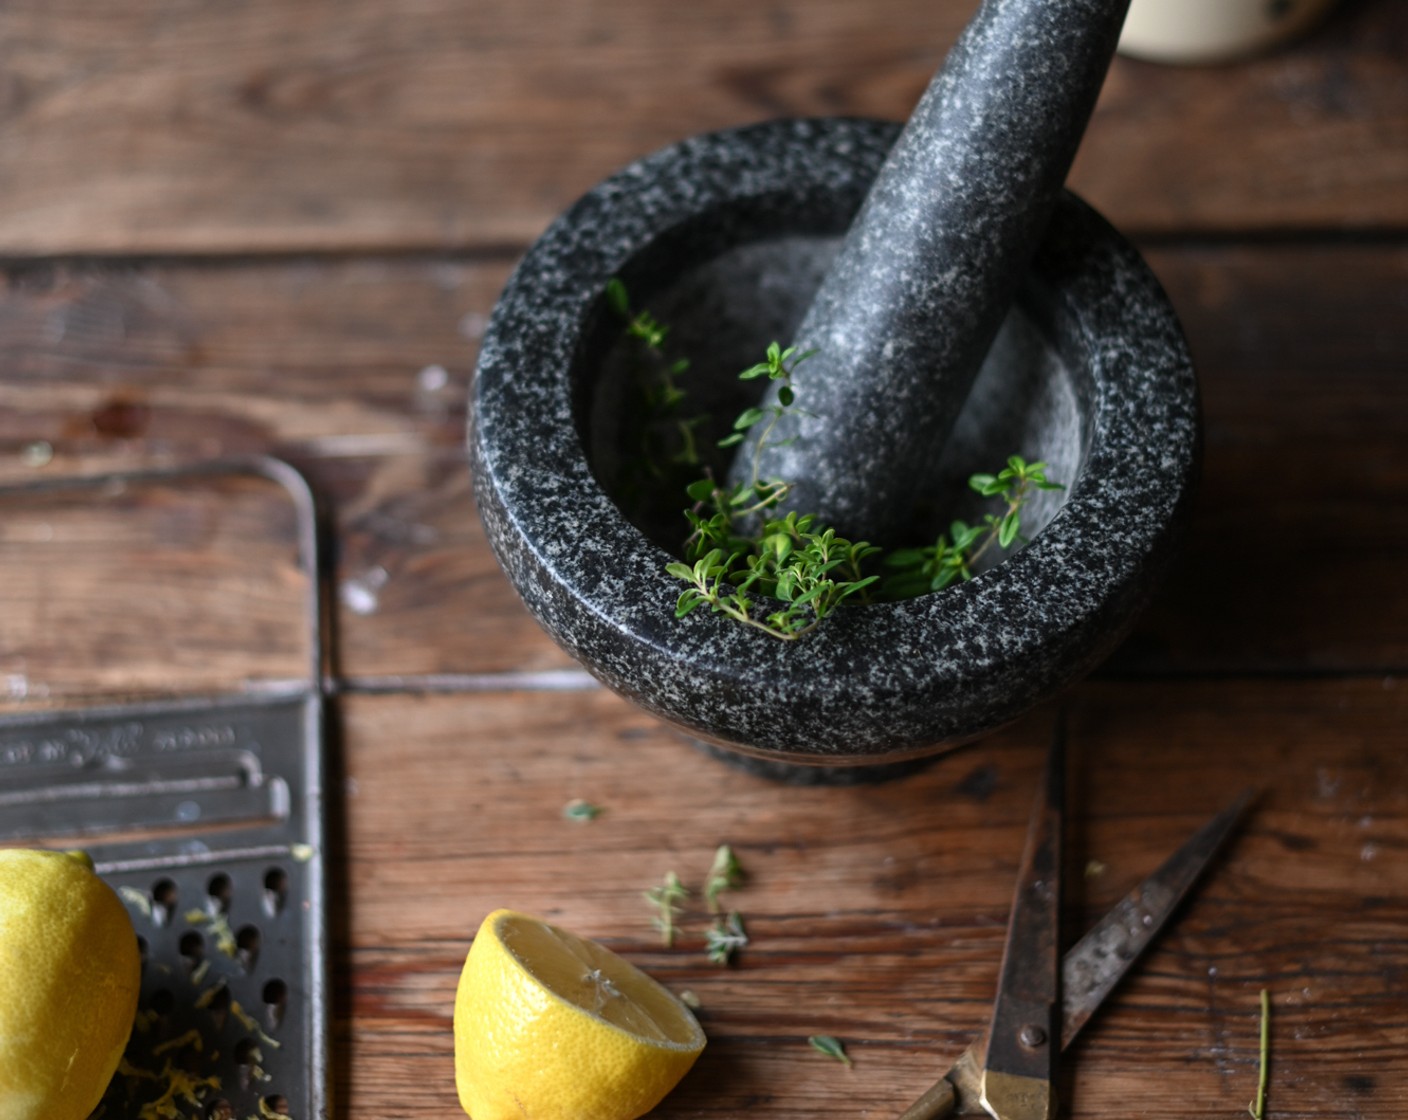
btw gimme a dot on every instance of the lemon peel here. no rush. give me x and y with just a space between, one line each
219 929
140 899
191 1038
181 1085
251 1024
207 997
552 1026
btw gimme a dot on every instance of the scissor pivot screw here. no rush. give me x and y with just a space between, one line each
1032 1036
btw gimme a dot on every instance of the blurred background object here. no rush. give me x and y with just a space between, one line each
1195 31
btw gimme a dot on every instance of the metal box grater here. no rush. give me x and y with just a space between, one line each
207 818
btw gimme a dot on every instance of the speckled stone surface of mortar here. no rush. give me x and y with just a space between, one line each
726 237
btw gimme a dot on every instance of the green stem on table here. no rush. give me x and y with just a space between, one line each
1258 1107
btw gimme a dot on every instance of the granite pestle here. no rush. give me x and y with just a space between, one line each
930 267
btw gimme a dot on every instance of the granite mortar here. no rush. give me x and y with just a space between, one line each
728 234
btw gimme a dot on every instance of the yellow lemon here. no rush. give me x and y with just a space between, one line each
69 977
551 1026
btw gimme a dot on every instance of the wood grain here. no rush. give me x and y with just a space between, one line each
877 913
352 125
358 371
126 589
273 228
1303 366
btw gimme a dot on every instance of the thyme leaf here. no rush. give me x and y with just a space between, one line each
831 1047
580 810
667 899
725 874
725 937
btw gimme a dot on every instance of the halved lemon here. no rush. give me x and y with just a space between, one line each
552 1026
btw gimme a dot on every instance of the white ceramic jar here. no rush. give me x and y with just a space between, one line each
1194 31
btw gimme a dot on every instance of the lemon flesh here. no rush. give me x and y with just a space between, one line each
70 973
552 1026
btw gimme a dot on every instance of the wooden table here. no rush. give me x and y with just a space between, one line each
278 228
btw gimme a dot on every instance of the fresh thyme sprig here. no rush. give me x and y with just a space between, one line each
667 900
742 550
793 564
779 365
739 549
663 392
725 937
806 566
724 874
666 436
916 571
726 933
733 508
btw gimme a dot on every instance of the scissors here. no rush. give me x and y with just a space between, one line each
1044 999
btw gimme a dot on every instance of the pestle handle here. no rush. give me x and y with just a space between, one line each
932 263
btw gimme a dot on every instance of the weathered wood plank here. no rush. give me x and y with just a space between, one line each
358 372
136 589
1303 364
877 912
241 136
1310 136
192 127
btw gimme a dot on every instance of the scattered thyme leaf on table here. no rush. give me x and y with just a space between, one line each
725 874
725 937
579 810
831 1047
667 900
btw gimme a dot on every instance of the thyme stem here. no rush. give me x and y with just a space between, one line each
1258 1107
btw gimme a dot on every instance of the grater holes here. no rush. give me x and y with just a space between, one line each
220 890
247 1056
190 1058
275 1002
247 942
160 1018
192 949
275 890
164 896
275 1104
219 1110
143 950
219 1006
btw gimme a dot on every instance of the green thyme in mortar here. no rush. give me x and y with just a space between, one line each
785 573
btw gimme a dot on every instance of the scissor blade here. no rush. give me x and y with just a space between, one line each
1024 1037
1095 964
